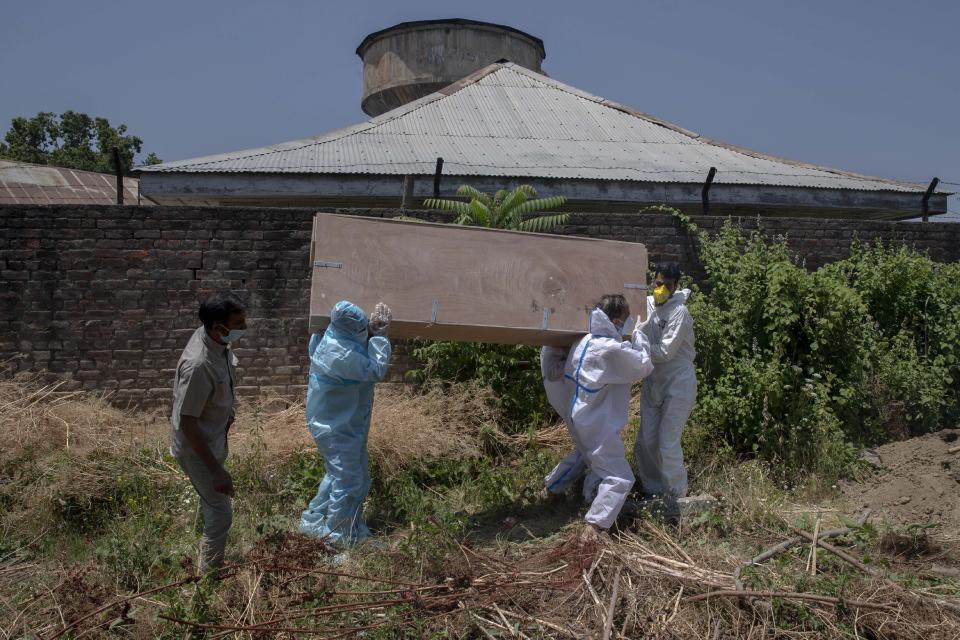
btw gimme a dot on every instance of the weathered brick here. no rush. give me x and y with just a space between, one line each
111 293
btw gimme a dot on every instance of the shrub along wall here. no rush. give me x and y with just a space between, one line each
106 297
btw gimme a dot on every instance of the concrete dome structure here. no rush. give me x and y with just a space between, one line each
414 59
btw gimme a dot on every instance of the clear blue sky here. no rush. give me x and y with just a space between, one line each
871 86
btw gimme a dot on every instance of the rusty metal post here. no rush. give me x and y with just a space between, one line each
407 199
436 178
118 167
705 193
925 203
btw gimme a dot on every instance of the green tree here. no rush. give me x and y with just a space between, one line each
505 210
73 140
151 159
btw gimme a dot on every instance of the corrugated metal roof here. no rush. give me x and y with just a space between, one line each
26 183
508 121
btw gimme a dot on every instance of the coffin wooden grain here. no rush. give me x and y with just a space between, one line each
448 282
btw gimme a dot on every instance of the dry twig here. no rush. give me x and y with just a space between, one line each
812 562
107 607
791 595
608 625
790 542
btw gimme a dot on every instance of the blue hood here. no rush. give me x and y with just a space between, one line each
349 320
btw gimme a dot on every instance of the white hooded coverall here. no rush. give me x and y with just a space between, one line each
590 389
667 397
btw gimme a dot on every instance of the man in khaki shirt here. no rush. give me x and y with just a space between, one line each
203 410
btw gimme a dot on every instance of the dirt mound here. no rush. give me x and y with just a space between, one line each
290 549
915 482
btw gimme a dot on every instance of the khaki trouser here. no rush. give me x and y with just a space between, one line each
216 510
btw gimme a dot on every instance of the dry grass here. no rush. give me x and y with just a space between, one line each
648 580
405 425
641 583
459 421
439 423
37 416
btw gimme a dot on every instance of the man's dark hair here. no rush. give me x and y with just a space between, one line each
219 307
670 271
614 305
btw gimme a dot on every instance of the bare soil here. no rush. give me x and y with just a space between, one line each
917 482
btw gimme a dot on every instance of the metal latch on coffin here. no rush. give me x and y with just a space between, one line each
323 264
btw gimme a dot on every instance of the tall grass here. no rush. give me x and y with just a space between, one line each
110 515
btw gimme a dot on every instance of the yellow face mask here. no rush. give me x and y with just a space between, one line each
661 294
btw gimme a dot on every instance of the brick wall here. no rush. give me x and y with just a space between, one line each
106 297
815 242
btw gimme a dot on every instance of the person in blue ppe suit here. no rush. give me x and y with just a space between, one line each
345 364
590 388
669 394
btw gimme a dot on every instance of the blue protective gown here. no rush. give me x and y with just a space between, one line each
344 366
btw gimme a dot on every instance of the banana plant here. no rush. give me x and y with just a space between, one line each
505 210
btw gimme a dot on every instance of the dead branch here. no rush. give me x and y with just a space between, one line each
877 574
107 607
608 625
837 552
791 595
340 574
790 542
339 634
545 623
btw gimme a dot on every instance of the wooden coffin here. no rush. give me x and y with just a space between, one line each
449 282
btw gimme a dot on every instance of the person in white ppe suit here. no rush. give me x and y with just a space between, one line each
590 388
669 394
345 364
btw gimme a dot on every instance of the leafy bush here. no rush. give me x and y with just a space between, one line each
436 500
104 493
782 354
511 371
799 368
915 304
134 549
796 368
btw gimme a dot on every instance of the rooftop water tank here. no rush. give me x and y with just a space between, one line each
414 59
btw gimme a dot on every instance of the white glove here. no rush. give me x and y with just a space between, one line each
380 319
552 361
640 325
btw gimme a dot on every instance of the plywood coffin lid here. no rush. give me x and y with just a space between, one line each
448 282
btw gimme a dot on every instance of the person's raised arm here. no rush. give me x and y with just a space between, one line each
552 361
626 362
